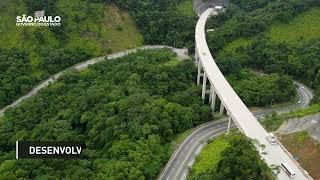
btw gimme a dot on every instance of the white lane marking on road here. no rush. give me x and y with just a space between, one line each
190 152
199 128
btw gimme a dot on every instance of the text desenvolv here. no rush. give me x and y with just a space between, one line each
55 150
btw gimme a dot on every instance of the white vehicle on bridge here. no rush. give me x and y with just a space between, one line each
288 170
272 139
208 71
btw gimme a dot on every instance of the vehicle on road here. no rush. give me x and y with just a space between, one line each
299 102
288 170
219 9
272 139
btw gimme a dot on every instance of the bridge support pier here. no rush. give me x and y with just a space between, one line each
213 99
204 86
229 125
196 56
210 93
221 109
199 73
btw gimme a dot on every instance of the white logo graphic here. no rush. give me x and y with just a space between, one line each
39 19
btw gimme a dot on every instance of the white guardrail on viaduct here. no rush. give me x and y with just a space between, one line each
236 109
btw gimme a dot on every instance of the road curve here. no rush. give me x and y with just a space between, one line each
305 95
184 156
236 109
85 64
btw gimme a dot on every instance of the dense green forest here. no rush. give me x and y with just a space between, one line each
262 89
16 72
14 77
230 157
161 22
249 18
126 111
301 61
256 37
88 28
31 54
256 89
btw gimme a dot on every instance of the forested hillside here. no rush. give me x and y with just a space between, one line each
279 37
230 156
89 28
126 111
249 18
30 54
255 88
169 22
262 90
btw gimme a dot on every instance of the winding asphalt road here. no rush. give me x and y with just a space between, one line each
181 53
184 157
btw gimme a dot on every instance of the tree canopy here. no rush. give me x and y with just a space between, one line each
161 22
249 18
15 73
127 111
257 89
239 159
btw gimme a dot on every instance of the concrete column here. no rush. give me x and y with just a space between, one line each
199 72
211 92
229 124
221 108
204 85
196 55
213 100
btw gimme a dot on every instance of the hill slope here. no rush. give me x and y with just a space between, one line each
304 27
288 45
124 110
87 29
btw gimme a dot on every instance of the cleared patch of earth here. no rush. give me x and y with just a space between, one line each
310 123
305 149
182 53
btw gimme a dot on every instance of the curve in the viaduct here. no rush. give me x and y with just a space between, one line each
184 156
219 87
236 109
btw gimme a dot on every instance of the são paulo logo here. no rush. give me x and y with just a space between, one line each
38 20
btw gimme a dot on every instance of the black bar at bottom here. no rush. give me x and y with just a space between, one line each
49 150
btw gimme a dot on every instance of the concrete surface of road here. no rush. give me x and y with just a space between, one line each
184 157
237 110
275 154
181 53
